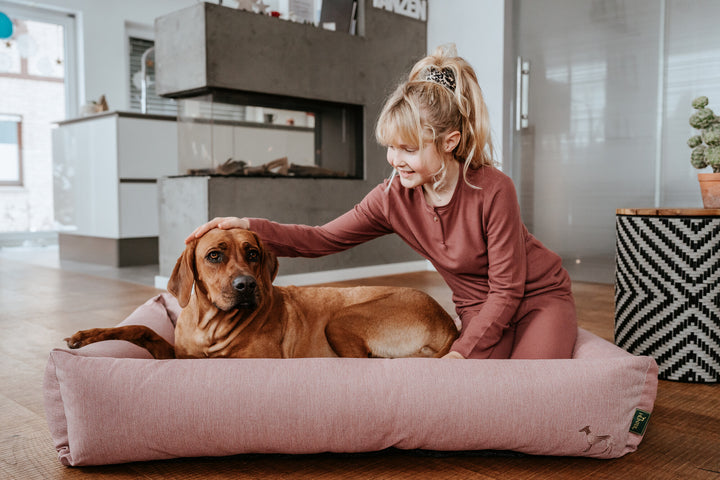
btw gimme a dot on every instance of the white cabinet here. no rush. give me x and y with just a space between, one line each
105 182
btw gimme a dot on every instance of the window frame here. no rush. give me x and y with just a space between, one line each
74 86
20 181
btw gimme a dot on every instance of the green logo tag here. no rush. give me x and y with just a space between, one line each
639 422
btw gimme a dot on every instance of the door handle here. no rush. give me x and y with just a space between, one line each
522 87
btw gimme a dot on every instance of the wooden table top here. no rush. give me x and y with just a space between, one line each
669 212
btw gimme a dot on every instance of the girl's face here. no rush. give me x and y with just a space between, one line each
414 167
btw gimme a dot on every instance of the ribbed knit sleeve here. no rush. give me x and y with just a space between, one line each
364 222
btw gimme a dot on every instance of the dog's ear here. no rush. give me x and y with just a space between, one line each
270 262
183 275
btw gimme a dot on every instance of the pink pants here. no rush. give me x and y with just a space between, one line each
544 326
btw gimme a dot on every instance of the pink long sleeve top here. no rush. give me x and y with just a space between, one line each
477 242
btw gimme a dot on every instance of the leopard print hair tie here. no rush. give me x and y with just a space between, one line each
444 76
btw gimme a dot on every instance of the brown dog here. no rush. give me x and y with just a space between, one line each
234 310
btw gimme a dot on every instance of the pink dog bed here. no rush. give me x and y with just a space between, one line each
111 403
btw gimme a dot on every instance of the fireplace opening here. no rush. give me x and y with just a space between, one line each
235 133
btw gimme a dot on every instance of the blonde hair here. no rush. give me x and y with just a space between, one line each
424 109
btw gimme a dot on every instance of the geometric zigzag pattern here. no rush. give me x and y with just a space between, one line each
667 293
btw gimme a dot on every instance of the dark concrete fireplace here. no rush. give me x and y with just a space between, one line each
255 89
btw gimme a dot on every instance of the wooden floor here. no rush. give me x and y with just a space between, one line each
39 306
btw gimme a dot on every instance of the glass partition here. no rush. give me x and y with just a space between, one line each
609 98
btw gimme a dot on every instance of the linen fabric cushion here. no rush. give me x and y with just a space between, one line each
111 403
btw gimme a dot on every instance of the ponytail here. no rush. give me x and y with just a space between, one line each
441 95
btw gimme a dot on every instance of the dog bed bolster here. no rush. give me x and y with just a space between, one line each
110 402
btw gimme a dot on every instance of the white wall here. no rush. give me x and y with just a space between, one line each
102 33
477 28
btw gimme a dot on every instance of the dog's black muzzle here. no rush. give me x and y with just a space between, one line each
245 291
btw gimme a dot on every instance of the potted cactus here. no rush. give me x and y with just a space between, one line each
706 151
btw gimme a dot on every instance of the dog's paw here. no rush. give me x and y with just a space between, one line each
73 342
80 339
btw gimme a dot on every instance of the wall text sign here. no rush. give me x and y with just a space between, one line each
416 9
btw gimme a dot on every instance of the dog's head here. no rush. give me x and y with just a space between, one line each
231 268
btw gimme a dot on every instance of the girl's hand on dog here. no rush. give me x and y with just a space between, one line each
223 223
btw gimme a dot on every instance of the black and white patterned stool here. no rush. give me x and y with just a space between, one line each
667 290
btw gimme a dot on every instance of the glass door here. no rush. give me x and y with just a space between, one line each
607 90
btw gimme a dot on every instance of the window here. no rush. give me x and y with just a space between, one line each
155 103
38 87
10 150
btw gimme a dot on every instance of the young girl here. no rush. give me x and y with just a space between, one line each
448 202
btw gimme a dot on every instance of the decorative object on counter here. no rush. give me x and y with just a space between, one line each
277 168
298 11
245 5
261 7
257 6
302 11
706 151
95 106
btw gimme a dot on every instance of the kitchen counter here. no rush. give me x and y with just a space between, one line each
105 169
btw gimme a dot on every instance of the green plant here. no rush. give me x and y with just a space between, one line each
706 146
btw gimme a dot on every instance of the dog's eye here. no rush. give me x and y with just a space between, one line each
253 256
214 257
